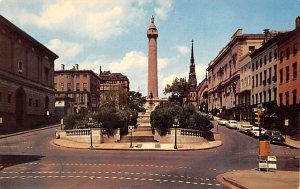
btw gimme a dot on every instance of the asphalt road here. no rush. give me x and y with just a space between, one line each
30 161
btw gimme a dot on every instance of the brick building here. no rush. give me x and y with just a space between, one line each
289 78
26 79
81 85
114 82
224 74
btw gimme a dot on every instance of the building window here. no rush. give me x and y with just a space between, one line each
275 73
260 97
287 98
275 53
9 98
256 98
84 75
252 81
270 75
84 86
260 62
294 97
270 95
280 75
47 71
265 59
295 70
265 77
275 94
81 98
69 86
252 66
68 76
256 80
77 86
62 87
295 49
252 99
0 96
265 96
251 48
36 103
270 56
281 56
260 78
287 53
280 99
30 102
287 72
20 67
256 66
55 86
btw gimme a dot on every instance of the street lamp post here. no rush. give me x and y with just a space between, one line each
175 125
91 124
131 128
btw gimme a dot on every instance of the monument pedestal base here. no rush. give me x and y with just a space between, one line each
152 103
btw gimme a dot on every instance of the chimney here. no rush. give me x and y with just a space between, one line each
76 66
100 71
298 22
62 67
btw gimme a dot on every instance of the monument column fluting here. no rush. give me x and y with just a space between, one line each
152 35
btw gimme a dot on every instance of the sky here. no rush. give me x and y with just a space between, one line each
112 33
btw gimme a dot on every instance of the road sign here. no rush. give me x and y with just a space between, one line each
286 122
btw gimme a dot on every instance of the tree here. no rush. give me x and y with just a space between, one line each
114 98
136 101
177 89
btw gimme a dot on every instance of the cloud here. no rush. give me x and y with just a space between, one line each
182 49
164 6
66 50
94 19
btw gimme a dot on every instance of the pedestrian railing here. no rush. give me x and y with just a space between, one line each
78 132
191 132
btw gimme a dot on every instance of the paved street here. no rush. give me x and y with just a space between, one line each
30 161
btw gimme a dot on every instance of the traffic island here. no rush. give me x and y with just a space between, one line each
253 179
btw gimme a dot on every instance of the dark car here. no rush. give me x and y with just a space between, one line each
273 136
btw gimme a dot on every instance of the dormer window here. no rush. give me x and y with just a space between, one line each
20 67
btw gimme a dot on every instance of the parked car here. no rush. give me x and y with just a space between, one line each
254 132
222 122
273 136
232 124
244 128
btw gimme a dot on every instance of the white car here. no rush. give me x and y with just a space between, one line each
232 124
244 128
222 122
254 132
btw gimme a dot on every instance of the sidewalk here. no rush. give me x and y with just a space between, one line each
292 143
253 179
149 146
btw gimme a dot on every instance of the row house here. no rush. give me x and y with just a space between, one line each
81 85
26 79
289 79
224 74
264 66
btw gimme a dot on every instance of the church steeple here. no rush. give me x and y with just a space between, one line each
192 74
192 53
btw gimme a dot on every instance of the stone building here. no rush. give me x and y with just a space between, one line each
289 79
224 74
244 96
114 82
202 96
81 85
26 79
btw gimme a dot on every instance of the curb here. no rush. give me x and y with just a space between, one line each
234 183
291 146
133 149
28 131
